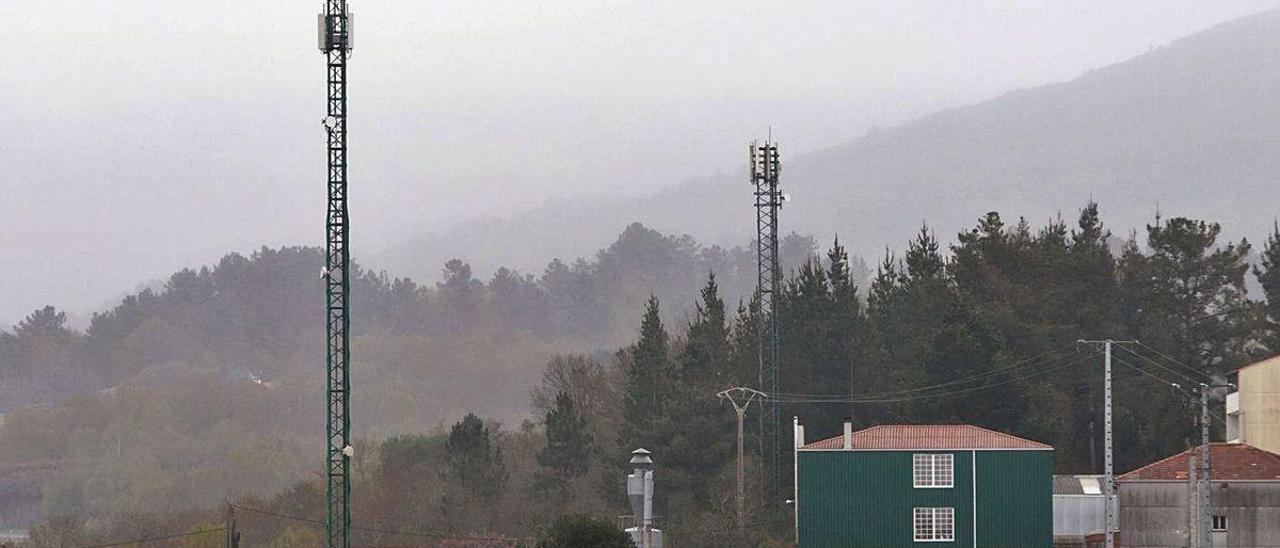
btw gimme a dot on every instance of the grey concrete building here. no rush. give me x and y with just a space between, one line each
1156 509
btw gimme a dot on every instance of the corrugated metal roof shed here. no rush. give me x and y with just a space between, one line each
1067 485
1077 485
928 437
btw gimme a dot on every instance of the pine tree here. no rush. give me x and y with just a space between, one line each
1195 295
1268 273
569 442
704 359
1089 278
886 283
647 381
696 427
846 332
475 462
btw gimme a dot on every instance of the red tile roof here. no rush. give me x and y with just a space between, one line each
1227 461
928 437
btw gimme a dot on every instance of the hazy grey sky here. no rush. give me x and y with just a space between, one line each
141 136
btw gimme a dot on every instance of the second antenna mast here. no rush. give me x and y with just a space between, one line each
765 167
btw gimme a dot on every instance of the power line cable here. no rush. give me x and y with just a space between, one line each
1174 361
279 515
894 397
962 380
153 539
422 534
1174 372
1176 386
425 534
1026 362
938 395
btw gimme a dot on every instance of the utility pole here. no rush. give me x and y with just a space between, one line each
1191 494
233 535
744 398
1206 505
335 41
1109 484
765 167
1110 491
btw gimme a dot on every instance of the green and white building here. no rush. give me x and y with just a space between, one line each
909 485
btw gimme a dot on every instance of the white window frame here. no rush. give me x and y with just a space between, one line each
933 524
928 468
1225 524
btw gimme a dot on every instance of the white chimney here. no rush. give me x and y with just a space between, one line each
848 435
640 494
799 432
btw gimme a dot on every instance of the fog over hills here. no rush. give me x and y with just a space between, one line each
1191 129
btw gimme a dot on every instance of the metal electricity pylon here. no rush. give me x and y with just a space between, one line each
335 42
765 167
741 398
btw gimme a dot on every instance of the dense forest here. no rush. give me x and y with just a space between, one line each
204 388
178 400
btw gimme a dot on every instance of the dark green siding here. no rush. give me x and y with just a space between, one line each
1015 499
865 499
853 499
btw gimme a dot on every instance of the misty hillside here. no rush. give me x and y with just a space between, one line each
216 371
1168 131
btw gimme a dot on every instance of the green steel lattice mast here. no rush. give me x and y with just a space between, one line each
335 42
765 167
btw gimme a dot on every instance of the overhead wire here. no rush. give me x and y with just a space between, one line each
1176 386
1026 362
422 534
913 395
154 539
279 515
1174 372
886 399
1170 360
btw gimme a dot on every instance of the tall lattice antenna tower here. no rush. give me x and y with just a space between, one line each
765 168
335 40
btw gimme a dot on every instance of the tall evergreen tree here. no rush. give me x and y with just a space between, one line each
696 427
706 353
1185 297
569 441
645 393
1268 273
1193 298
1089 280
847 331
474 461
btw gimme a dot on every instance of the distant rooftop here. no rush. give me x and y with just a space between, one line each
1077 485
928 437
1227 462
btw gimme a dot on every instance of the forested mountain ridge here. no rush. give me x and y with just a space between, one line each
250 317
1166 131
982 332
217 368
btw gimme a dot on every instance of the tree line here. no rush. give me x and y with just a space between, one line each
981 307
